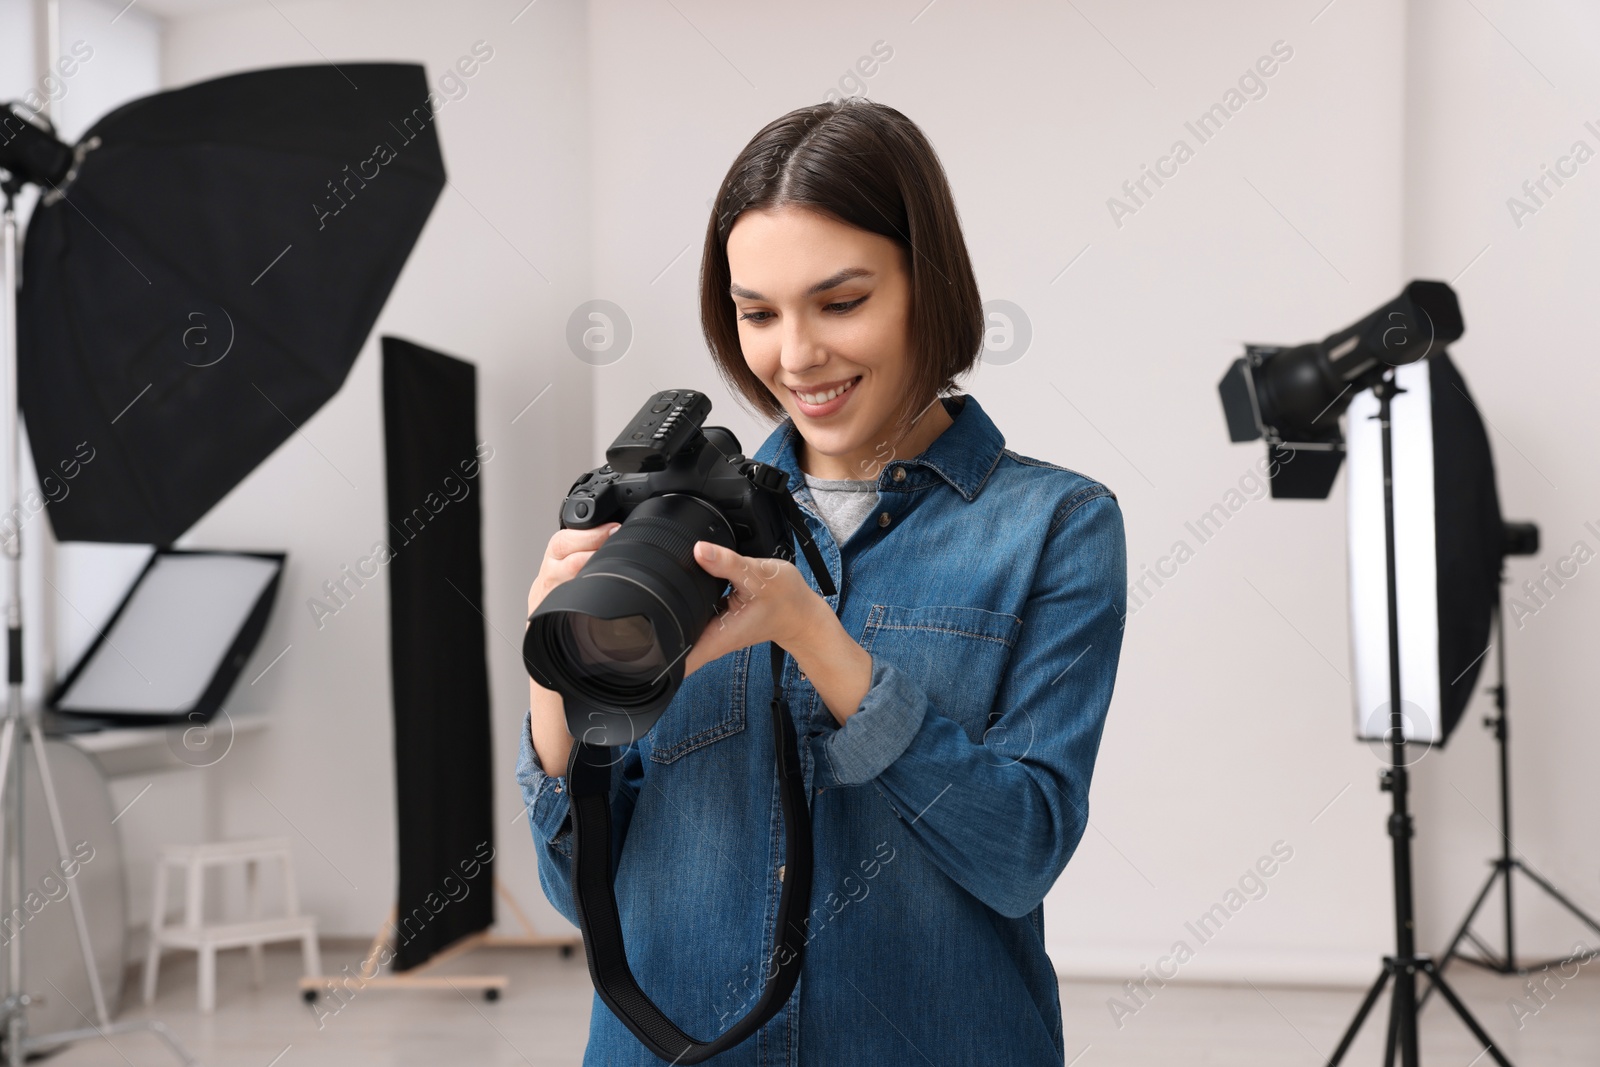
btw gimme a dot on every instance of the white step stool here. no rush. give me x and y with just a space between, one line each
199 937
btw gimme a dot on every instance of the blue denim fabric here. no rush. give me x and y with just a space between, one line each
989 589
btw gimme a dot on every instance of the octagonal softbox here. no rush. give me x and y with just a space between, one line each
208 278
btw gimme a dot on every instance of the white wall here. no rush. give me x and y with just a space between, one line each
1492 100
515 150
1383 149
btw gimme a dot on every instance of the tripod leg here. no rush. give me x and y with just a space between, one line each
1361 1016
1509 964
56 1041
1394 1033
8 733
15 794
1466 924
75 899
172 1043
1454 1001
1554 892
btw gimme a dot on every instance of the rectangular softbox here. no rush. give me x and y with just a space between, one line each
1448 544
177 643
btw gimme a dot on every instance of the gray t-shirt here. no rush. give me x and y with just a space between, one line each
843 502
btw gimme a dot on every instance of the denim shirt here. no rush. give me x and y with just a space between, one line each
989 590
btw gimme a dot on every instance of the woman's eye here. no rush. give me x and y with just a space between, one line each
841 308
755 316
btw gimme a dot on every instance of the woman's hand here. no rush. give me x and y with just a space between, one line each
772 602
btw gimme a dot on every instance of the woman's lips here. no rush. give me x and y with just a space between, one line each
817 411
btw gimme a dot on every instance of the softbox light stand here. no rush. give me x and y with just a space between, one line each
21 726
1506 864
190 189
1403 967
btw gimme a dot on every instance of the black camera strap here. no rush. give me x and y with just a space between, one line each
593 889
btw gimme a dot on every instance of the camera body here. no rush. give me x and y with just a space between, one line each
612 640
666 450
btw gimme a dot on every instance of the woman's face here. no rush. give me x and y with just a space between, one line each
823 306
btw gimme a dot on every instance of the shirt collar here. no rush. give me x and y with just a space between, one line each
963 455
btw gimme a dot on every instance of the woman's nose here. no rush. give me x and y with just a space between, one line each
800 348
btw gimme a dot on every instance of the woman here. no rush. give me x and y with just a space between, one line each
949 699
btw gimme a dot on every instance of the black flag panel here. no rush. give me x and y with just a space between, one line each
439 665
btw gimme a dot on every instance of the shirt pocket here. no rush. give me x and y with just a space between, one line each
955 653
707 708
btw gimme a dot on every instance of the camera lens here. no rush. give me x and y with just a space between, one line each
612 641
626 647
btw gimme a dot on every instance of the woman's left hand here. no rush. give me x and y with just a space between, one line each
770 601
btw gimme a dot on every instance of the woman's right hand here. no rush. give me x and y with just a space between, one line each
564 557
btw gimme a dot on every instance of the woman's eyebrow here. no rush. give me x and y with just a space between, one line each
838 279
823 286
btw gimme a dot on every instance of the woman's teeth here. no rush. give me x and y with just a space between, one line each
823 398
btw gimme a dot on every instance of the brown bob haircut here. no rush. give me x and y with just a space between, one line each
868 166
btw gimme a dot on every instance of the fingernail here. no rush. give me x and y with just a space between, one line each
615 527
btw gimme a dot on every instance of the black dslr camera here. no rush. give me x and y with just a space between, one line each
612 641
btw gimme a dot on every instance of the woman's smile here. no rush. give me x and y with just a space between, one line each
821 401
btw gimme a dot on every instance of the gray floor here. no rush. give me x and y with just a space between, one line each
543 1018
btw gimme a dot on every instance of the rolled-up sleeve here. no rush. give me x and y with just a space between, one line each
874 737
549 816
1003 825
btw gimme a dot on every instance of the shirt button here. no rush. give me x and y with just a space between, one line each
899 474
883 518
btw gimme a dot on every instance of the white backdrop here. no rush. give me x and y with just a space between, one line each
1383 145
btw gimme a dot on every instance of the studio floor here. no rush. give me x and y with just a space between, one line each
543 1018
